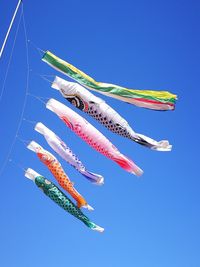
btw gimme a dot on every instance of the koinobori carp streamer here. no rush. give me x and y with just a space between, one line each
56 169
158 100
67 154
55 194
92 136
102 112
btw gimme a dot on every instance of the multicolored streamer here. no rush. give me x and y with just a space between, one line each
157 100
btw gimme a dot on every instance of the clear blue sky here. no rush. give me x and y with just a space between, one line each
149 222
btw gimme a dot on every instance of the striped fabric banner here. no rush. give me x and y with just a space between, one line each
157 100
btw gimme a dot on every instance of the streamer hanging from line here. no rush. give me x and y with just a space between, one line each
103 113
158 100
67 154
55 194
56 169
92 136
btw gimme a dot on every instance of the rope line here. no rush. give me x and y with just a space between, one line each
30 121
44 76
25 142
9 28
45 79
39 98
10 58
24 101
17 164
40 51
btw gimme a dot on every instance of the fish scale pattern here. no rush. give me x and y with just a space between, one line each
97 108
97 115
55 167
100 148
109 124
53 192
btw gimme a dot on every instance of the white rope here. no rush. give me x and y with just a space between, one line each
25 142
29 121
39 98
11 23
18 165
46 79
39 50
10 59
24 102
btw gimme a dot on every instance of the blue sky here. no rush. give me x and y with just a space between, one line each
149 222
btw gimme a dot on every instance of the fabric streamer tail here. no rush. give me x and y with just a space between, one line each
128 164
87 206
93 177
157 100
151 143
31 174
94 226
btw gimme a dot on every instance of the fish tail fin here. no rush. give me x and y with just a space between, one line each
93 177
151 143
83 204
94 227
128 164
87 206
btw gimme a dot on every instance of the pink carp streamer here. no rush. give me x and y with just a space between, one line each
92 136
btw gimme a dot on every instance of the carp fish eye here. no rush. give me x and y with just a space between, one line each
76 101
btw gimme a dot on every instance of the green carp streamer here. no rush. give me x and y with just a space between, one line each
54 193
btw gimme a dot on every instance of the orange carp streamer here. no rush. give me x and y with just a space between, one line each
56 169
